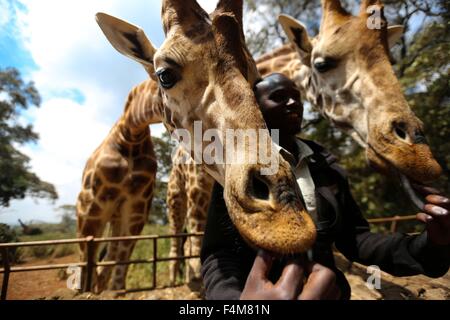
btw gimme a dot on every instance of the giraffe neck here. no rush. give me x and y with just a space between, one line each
143 107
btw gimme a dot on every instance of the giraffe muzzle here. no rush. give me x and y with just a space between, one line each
267 210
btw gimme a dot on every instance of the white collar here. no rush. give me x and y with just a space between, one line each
304 152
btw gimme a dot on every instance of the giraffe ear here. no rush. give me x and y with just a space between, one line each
128 39
394 34
297 35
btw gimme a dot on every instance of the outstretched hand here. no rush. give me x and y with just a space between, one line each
436 215
320 283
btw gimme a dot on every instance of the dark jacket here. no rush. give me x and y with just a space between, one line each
227 259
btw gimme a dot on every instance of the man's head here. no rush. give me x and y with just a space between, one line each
280 104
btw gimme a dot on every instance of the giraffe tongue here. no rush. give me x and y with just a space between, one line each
406 184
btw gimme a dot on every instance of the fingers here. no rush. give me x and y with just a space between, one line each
435 211
291 280
425 190
438 200
261 266
321 284
423 217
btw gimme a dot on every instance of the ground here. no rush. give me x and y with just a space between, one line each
52 285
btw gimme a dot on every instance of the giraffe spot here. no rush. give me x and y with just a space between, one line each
136 183
145 164
87 181
124 150
109 194
122 257
97 183
94 210
136 228
135 150
90 228
138 207
147 148
201 202
114 173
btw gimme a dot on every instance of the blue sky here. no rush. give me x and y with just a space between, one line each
83 82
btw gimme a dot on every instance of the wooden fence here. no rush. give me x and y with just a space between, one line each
91 263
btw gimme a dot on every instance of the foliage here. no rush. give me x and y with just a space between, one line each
422 66
16 179
8 235
68 217
163 150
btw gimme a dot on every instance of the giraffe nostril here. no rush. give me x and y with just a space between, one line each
400 130
400 133
258 188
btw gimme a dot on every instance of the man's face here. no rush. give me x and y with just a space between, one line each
279 101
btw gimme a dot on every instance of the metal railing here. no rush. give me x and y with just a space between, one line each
91 263
393 220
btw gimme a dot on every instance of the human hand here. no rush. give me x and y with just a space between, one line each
321 283
436 215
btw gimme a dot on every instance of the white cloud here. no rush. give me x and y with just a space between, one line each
5 13
73 54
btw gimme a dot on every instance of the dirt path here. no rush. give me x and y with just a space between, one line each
37 284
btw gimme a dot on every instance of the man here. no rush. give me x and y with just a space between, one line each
233 270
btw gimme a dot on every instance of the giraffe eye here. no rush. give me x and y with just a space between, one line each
324 64
167 78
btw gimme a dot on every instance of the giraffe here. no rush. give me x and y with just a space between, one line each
188 196
202 72
118 182
346 74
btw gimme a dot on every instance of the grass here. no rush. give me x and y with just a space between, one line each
140 275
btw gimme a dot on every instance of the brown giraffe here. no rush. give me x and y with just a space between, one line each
346 74
188 196
118 183
202 72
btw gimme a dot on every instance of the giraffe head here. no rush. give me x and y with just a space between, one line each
205 73
353 84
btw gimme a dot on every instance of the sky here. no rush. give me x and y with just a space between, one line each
83 82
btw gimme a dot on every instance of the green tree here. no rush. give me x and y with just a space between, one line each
16 178
67 212
163 149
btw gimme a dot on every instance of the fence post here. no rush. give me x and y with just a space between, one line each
89 263
6 266
155 256
394 224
